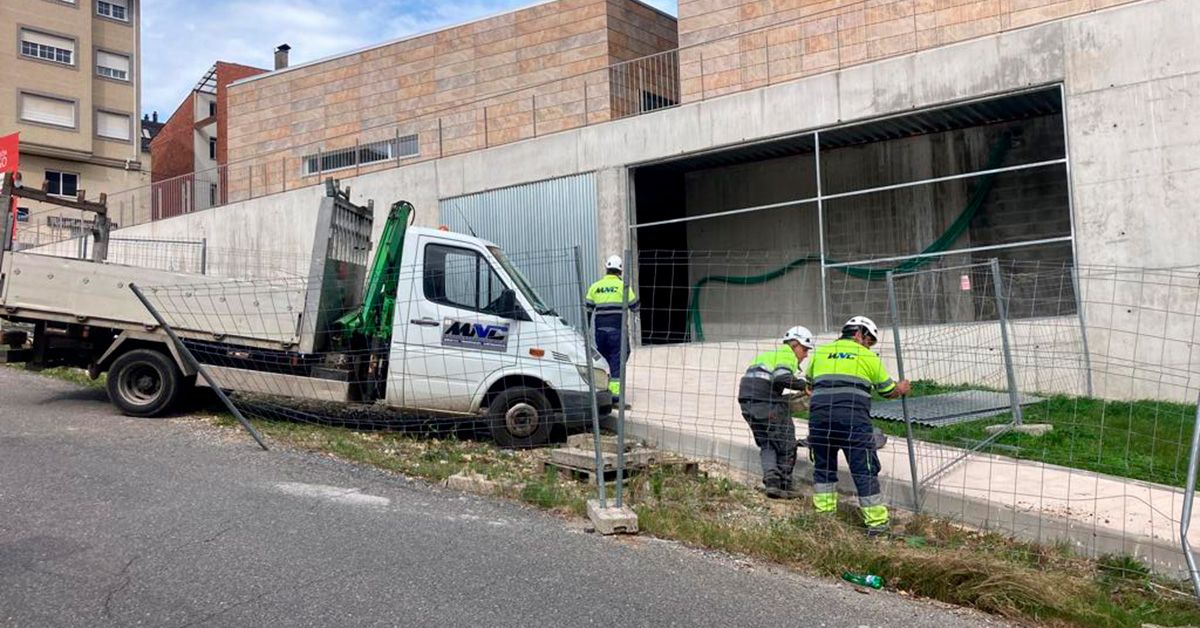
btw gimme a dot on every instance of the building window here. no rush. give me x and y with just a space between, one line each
212 194
212 148
111 65
116 9
62 183
113 126
48 110
22 214
212 108
46 47
400 148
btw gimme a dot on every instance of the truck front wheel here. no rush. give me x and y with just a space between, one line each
520 417
144 383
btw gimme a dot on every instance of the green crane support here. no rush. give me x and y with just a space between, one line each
373 319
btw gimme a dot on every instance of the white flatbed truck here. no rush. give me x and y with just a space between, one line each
402 332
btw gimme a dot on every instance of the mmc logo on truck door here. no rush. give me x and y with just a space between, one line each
466 334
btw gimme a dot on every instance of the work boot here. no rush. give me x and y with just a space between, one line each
785 491
879 532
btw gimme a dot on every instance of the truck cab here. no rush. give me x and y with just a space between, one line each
471 335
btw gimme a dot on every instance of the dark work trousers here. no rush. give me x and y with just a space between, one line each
608 343
775 434
854 437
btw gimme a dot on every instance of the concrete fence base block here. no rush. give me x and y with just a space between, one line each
612 520
1029 429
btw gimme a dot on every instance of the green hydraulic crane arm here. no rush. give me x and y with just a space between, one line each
373 319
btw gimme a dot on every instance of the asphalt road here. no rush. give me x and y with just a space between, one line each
107 520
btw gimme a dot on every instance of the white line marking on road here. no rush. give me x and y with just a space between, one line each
348 496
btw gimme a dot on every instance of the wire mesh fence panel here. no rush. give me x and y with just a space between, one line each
704 316
1104 359
443 335
951 338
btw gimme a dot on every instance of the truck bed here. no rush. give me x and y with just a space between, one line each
41 287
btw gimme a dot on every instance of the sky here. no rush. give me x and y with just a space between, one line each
181 39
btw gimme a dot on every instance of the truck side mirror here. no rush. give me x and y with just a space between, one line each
508 307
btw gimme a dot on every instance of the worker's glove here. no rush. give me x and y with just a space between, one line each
797 403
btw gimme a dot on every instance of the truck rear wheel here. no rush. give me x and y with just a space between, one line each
520 417
144 383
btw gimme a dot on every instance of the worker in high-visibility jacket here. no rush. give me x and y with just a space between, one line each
605 306
844 373
767 410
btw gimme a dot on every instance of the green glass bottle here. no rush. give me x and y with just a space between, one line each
867 580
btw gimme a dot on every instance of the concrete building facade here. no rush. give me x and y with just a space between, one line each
71 88
1101 161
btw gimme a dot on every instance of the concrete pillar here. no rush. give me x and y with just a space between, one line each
612 206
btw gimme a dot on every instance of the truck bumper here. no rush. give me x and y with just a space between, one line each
577 406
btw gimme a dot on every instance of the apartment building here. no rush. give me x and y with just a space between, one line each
70 87
190 149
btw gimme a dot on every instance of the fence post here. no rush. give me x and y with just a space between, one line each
624 392
591 364
1002 311
187 355
894 310
1189 496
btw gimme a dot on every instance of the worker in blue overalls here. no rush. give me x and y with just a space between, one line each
605 306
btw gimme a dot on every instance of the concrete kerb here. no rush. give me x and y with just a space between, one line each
1165 558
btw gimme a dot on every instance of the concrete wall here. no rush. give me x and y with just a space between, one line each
734 45
245 240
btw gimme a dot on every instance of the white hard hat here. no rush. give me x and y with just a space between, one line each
801 335
866 324
614 263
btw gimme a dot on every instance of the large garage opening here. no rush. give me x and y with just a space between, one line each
810 224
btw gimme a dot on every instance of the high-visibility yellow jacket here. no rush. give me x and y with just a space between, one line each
604 301
843 375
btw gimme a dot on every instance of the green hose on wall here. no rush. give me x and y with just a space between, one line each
960 225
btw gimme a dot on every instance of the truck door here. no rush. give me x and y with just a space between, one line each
455 336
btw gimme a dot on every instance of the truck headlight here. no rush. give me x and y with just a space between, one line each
599 377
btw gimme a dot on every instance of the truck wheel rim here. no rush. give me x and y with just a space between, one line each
140 384
521 419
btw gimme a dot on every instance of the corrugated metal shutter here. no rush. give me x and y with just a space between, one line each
538 224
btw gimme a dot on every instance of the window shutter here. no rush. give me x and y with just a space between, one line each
109 60
35 37
48 110
112 125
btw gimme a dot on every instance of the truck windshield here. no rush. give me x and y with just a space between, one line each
522 282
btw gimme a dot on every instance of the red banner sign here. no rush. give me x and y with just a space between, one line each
10 160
